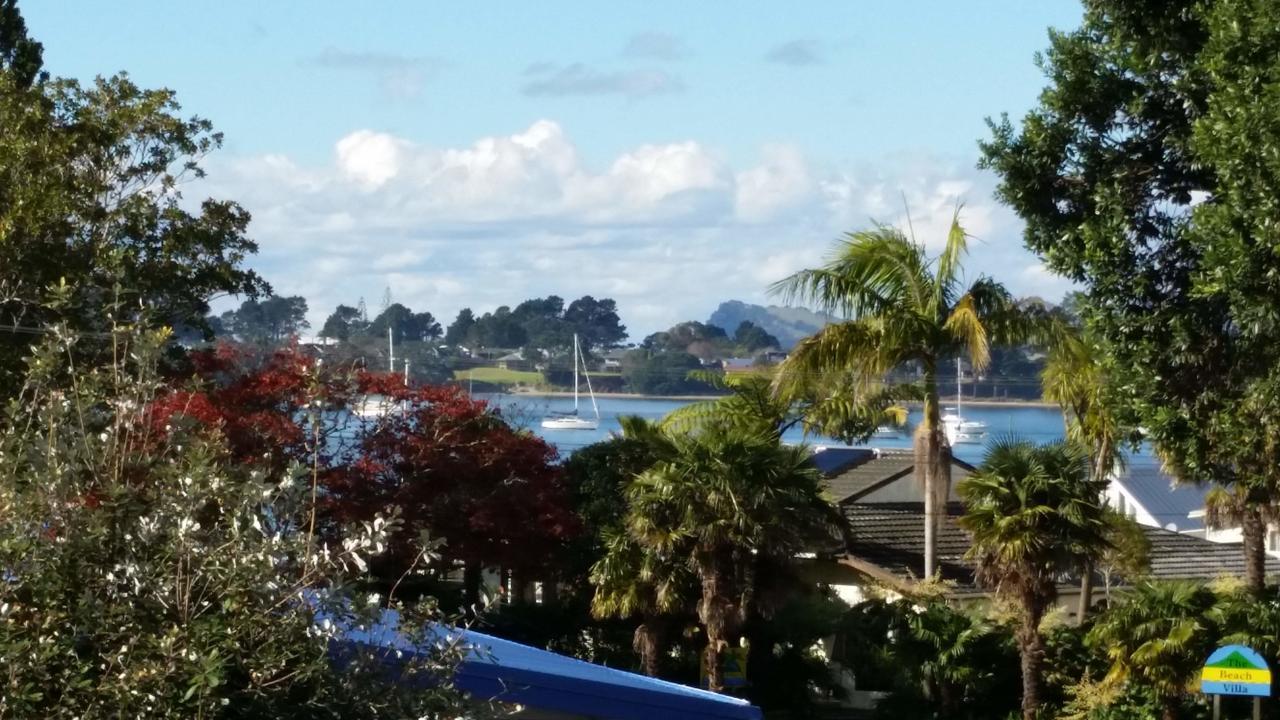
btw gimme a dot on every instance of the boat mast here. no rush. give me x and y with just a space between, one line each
959 394
575 373
391 352
587 375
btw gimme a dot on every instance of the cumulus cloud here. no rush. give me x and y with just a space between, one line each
656 46
400 77
669 230
546 79
796 53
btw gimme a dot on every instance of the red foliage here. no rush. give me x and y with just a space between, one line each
451 463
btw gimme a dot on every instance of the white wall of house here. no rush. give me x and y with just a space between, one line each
1120 499
1124 502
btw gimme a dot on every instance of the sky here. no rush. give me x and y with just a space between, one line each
670 155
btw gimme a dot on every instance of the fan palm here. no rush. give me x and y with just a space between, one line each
1035 513
723 497
901 307
1158 636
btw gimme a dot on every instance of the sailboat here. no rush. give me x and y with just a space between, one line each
958 430
571 421
375 406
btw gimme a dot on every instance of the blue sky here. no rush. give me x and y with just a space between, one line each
670 155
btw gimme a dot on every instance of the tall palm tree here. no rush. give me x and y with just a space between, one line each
1074 378
722 498
1158 636
1034 513
900 307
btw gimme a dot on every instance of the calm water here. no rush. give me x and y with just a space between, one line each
1038 424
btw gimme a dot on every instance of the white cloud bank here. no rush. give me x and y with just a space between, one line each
668 230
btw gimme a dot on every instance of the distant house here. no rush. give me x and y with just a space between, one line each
612 360
878 494
737 365
513 361
1145 492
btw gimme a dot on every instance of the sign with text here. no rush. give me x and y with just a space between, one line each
1235 670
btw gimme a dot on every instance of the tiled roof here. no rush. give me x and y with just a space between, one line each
890 536
1158 493
853 472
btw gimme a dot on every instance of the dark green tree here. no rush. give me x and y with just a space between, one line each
499 329
751 337
405 325
459 332
20 55
270 321
342 324
666 374
596 322
1148 172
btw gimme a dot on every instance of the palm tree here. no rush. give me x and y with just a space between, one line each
1158 636
1074 378
826 408
901 307
722 498
1034 513
633 580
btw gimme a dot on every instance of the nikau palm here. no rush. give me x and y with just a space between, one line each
900 307
1035 513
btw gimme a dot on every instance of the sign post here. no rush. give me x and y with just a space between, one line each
1236 670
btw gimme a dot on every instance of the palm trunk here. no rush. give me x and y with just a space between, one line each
714 610
1254 532
1086 593
931 469
1031 645
648 644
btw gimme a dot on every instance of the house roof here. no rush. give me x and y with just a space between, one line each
501 670
890 538
1168 501
854 472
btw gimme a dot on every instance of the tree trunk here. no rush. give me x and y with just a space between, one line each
1254 532
1169 710
471 583
648 644
714 610
1086 593
1031 645
932 469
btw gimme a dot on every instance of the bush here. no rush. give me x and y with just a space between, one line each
147 574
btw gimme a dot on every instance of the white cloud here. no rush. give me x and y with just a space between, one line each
669 230
547 79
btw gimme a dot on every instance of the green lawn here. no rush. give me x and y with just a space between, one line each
498 376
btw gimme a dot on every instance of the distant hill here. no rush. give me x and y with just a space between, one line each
788 324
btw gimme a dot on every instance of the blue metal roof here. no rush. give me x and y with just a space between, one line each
1158 493
505 671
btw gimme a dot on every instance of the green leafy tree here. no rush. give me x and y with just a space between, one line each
405 325
90 200
902 307
751 337
1147 171
665 374
1035 514
720 500
596 322
1157 636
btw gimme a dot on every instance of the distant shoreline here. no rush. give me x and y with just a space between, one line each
695 398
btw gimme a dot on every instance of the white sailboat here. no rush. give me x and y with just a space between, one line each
375 406
958 430
572 421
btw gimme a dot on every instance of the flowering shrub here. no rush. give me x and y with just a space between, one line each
147 572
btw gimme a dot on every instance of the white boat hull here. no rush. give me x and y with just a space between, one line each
570 423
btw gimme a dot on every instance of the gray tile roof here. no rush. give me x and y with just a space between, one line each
891 537
1159 494
853 472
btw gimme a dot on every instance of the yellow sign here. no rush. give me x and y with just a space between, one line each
1238 675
